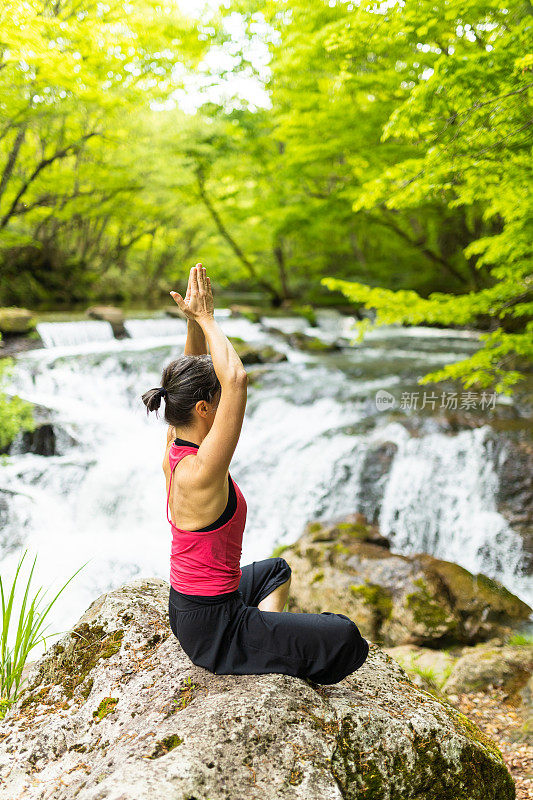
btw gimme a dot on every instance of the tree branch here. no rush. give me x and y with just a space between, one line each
12 159
59 154
419 245
228 237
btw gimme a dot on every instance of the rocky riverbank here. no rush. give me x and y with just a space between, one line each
115 709
104 695
455 634
347 566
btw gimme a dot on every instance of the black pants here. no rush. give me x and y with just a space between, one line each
228 635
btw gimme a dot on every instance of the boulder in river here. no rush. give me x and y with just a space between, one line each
49 437
507 666
110 314
115 709
251 313
374 476
303 341
311 344
16 320
41 441
256 353
396 599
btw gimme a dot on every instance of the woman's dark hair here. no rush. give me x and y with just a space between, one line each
186 380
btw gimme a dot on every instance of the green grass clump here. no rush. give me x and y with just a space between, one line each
29 632
521 639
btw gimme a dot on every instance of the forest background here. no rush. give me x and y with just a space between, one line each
390 165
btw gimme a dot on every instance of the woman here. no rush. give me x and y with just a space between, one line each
228 619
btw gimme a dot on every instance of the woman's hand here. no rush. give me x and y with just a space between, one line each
198 301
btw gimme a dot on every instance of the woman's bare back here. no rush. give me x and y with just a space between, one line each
196 508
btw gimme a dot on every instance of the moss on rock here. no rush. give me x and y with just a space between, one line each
311 344
257 354
422 773
426 609
313 527
69 666
378 600
341 548
468 589
106 706
314 555
357 529
86 689
277 551
164 746
376 596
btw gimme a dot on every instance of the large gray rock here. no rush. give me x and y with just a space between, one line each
16 320
256 353
116 710
111 314
509 667
396 599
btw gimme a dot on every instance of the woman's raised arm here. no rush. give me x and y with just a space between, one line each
216 450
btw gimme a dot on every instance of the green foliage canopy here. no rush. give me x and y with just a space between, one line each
470 122
395 158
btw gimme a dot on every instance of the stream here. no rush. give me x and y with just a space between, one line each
314 445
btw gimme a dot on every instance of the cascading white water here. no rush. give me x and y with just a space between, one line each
56 334
309 424
440 499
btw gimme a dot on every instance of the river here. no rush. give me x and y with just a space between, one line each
311 447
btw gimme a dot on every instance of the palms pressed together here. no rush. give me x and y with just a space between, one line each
198 299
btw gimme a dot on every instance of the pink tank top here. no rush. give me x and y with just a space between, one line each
206 562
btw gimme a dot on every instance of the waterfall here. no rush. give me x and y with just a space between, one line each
440 499
144 328
310 427
56 334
